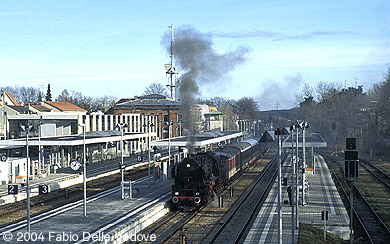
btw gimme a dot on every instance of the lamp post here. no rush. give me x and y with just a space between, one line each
27 129
296 177
149 124
292 128
169 146
84 173
121 127
278 132
39 147
304 125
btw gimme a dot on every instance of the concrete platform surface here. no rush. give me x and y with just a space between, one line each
322 195
107 217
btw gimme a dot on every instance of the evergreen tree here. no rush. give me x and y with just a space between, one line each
48 93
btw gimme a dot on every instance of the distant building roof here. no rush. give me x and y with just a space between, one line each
212 109
211 113
147 102
62 106
41 108
6 97
20 109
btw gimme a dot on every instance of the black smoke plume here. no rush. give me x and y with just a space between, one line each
200 64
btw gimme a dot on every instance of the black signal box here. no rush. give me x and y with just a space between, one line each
351 170
350 144
351 155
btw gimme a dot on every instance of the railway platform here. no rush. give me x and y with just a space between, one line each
322 195
65 177
109 219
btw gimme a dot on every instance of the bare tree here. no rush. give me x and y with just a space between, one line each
85 102
23 94
156 88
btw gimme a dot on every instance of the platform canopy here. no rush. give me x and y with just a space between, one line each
268 136
311 140
91 137
200 140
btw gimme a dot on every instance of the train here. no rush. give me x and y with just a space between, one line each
198 178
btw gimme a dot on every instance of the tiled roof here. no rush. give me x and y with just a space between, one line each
41 108
12 99
63 106
151 102
20 109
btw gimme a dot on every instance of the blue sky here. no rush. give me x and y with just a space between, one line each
113 47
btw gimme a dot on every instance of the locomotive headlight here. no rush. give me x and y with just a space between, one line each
175 199
197 194
176 193
188 165
197 200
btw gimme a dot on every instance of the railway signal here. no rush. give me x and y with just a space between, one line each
351 173
351 160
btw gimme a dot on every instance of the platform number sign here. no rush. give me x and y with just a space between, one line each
13 189
284 181
43 189
139 158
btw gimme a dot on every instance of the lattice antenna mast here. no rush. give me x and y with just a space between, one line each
171 69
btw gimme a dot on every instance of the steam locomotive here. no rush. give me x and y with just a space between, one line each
199 177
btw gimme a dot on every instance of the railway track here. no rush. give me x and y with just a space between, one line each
376 173
197 225
236 222
373 228
14 212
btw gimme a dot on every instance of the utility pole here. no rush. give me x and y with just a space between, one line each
304 126
296 179
278 132
292 128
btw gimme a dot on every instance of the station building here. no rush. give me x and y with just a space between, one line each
58 137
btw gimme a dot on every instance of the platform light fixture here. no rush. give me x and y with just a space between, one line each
27 129
84 173
121 127
148 124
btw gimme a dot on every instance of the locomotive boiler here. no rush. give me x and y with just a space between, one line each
198 178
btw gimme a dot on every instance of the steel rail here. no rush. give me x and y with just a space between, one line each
243 199
364 201
364 163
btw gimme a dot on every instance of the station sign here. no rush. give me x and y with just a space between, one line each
43 189
284 181
13 189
